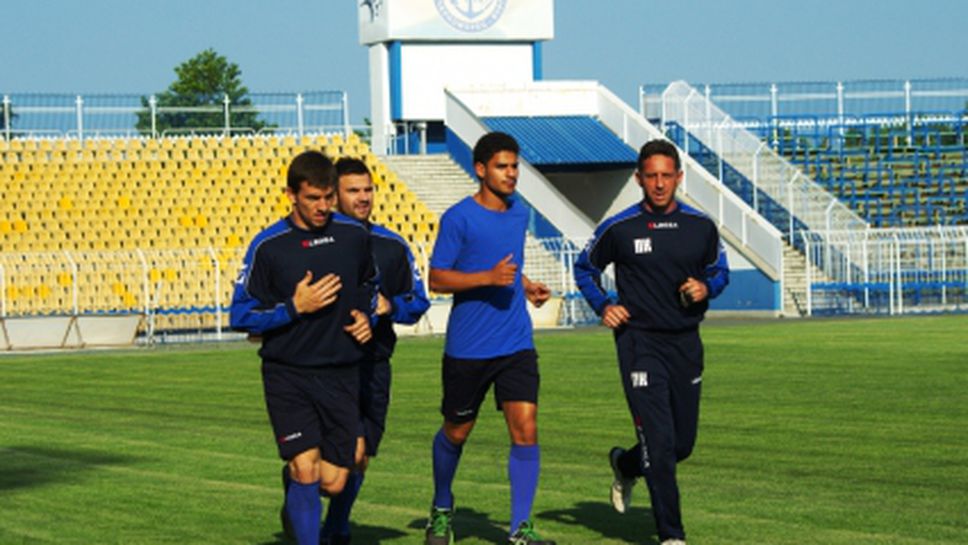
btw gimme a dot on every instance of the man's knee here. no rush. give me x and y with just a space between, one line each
457 433
333 487
522 420
524 432
304 467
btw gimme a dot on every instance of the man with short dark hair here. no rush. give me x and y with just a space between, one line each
308 287
669 262
479 256
402 300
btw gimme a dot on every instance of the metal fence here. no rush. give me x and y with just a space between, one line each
185 294
827 103
887 271
102 115
808 205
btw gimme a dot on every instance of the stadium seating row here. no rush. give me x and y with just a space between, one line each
102 201
892 174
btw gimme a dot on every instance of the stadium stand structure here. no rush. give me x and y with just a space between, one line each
156 226
579 143
892 174
896 175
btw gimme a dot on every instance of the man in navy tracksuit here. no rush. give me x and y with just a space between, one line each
668 263
402 300
308 288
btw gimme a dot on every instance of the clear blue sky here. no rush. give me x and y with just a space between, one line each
132 46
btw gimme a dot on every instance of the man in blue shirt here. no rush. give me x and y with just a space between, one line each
402 300
668 263
479 257
308 288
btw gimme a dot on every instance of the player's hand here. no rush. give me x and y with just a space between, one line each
693 291
615 316
360 328
383 306
504 272
537 293
310 297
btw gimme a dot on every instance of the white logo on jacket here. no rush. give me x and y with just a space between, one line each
643 245
640 379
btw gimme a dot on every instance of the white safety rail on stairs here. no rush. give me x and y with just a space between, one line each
768 171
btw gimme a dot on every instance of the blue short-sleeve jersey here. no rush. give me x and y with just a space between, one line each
491 321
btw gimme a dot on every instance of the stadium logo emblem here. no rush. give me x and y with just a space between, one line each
471 15
375 6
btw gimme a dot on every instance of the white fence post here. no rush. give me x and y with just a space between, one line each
79 113
226 102
217 267
3 292
299 114
6 118
153 107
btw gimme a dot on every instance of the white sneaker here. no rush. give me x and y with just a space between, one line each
621 486
673 542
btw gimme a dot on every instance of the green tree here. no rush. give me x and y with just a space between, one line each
203 81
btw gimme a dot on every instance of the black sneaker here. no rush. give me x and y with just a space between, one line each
621 493
439 529
284 513
337 539
526 535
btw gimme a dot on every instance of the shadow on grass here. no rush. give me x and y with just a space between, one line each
362 534
26 466
635 526
469 523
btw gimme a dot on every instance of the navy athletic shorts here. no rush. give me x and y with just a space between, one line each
374 401
311 408
466 382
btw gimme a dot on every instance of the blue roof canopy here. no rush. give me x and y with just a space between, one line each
565 141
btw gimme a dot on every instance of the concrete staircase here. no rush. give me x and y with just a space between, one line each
795 281
436 179
440 182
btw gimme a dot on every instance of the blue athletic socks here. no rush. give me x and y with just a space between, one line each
524 464
338 515
305 507
446 457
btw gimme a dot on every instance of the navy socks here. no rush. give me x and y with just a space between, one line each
338 515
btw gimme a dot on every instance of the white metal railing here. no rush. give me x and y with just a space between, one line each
173 289
191 289
888 271
30 115
783 182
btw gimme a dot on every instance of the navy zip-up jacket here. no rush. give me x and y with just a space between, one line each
276 261
400 283
653 255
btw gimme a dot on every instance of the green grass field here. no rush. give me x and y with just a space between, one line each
826 431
